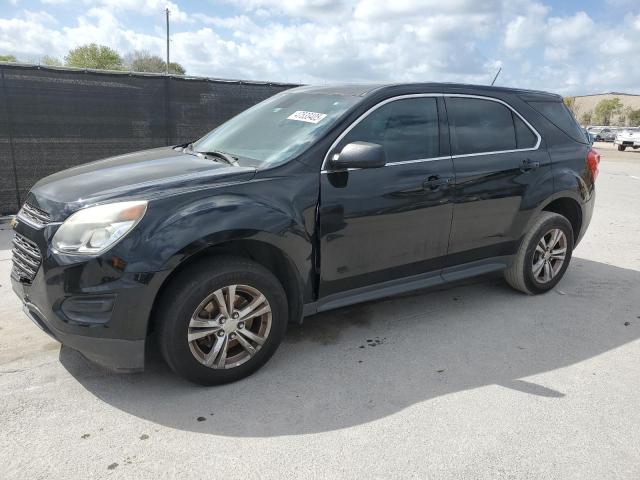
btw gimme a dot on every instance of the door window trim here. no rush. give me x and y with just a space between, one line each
325 162
353 124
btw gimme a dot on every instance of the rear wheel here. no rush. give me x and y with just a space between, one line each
543 256
621 148
221 320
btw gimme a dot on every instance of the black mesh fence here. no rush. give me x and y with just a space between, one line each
52 119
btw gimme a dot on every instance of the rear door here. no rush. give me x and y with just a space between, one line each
381 224
497 156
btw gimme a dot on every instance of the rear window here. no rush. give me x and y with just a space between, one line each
558 114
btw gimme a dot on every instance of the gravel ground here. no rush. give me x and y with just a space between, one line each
476 381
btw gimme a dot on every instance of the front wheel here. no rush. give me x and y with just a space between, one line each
621 148
543 256
221 320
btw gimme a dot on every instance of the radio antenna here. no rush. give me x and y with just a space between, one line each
496 77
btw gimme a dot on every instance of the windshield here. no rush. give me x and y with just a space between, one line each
278 128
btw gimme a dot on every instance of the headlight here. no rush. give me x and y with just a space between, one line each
95 229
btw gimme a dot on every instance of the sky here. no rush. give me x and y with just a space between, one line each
567 47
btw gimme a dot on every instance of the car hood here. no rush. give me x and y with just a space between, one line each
146 174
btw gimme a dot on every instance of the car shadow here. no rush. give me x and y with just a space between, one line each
362 363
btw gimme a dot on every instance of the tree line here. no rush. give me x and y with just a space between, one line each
604 113
101 57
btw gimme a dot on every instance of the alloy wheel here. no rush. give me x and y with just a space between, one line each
229 326
549 255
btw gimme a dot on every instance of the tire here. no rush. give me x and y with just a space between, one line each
521 275
184 302
621 148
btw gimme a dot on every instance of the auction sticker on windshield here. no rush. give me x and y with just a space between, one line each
309 117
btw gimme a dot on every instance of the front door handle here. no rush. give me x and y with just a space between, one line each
433 182
527 165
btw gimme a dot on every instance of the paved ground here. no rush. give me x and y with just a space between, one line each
477 381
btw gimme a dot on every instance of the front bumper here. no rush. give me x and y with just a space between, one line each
112 353
93 306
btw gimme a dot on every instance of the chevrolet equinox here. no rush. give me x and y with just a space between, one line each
316 198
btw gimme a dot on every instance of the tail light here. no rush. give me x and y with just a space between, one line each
593 160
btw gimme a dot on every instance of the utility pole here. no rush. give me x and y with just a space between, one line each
168 13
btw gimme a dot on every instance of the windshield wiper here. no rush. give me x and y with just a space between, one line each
231 160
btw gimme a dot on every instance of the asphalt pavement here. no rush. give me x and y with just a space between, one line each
475 381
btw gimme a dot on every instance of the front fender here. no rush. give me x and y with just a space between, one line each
210 221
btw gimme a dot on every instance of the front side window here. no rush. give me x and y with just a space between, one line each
480 126
407 129
278 128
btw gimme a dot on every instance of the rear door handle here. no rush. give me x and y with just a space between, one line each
527 165
433 182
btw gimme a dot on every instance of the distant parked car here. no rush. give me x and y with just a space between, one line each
587 134
594 131
628 138
605 135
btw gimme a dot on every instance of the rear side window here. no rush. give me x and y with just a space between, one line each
525 138
408 129
479 126
558 114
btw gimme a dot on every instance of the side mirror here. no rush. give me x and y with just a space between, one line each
360 155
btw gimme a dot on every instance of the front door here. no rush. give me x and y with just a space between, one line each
381 224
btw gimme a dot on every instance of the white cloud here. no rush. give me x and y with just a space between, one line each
40 17
310 9
523 31
146 7
409 9
579 53
319 41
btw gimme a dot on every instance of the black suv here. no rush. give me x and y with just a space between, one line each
316 198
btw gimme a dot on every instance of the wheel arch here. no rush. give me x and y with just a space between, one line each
569 208
266 254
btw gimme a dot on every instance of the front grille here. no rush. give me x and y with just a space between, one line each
26 259
33 215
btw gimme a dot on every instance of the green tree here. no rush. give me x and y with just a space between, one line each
585 118
95 56
633 117
605 109
8 58
51 61
176 68
143 61
570 102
